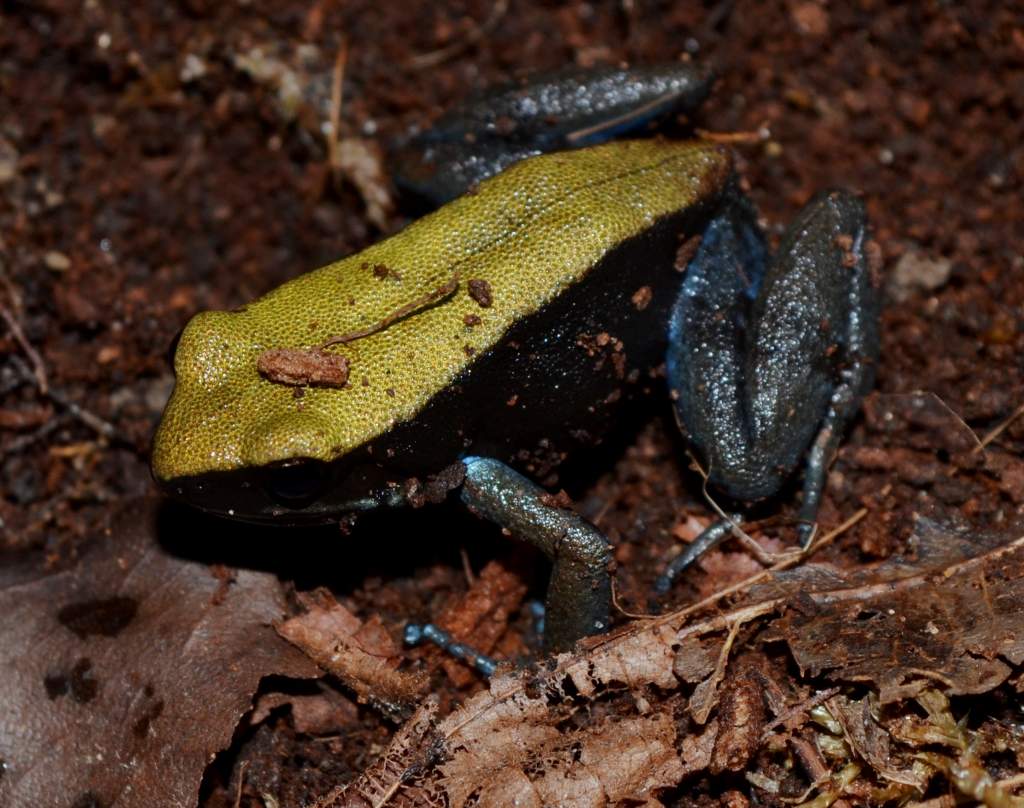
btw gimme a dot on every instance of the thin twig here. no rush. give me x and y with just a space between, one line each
763 556
337 83
391 791
979 446
431 297
38 367
998 430
759 135
623 610
901 585
784 564
804 706
467 567
91 420
241 782
475 34
38 375
22 442
17 307
757 578
958 417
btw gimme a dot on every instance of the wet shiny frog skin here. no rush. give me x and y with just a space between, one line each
483 344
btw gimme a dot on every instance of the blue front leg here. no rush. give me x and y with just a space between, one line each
579 595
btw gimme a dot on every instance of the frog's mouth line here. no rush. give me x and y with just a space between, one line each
295 493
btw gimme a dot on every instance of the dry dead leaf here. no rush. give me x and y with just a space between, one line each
361 654
951 617
123 676
613 761
381 782
480 616
514 728
514 742
608 763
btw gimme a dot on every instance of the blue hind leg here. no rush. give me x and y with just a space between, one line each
707 347
769 364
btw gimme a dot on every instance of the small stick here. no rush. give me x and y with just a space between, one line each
39 369
22 442
979 445
757 577
748 541
998 430
788 560
756 136
91 420
241 782
431 297
434 58
467 568
797 709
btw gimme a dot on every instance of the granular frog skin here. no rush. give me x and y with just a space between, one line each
487 341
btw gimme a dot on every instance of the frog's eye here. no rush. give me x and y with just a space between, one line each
296 484
172 349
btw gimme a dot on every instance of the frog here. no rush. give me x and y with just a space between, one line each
474 351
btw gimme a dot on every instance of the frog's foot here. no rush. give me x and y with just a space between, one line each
579 591
554 112
416 633
769 370
712 535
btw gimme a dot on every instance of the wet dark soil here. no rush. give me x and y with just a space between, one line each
159 159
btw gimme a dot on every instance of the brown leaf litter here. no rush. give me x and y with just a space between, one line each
480 617
360 654
518 741
123 676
